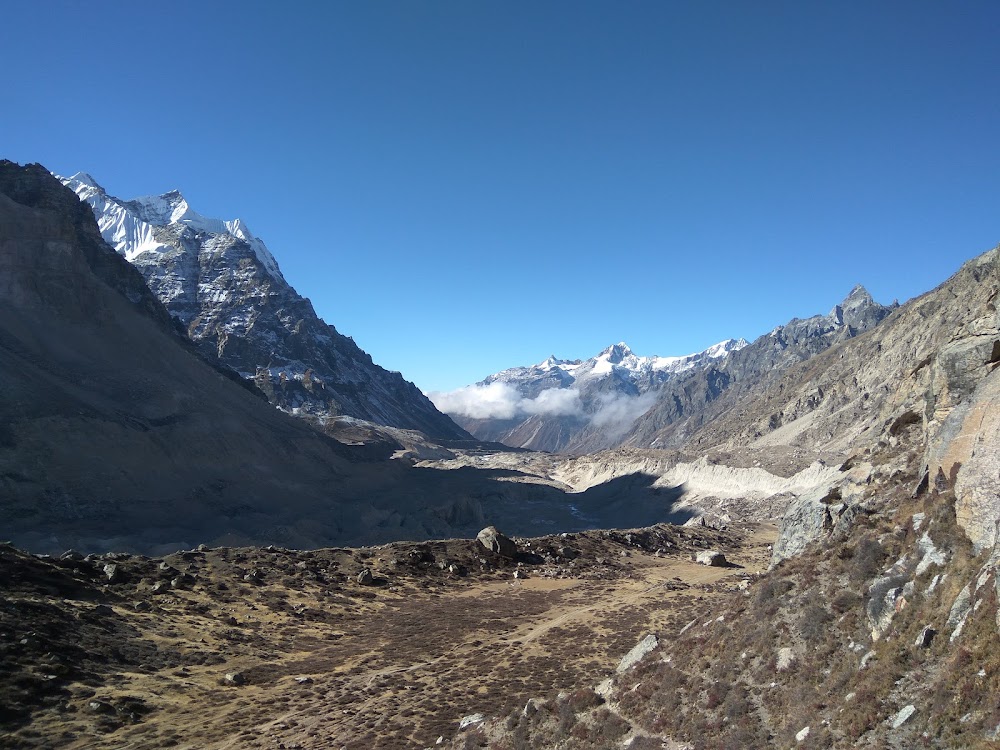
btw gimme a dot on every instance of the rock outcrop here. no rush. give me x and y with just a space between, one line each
638 652
965 452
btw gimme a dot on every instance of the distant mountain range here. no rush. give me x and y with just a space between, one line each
558 404
618 398
225 289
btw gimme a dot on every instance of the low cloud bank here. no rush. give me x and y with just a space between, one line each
502 401
614 412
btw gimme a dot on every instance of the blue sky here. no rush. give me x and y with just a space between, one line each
464 187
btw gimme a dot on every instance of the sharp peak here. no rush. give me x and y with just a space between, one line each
621 345
857 296
858 290
170 196
83 178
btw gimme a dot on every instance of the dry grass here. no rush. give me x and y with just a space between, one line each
328 662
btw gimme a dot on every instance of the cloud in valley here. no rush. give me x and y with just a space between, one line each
502 401
614 413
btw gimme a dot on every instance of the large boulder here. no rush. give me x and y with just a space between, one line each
496 542
711 557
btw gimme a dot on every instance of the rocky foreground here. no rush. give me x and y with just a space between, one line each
378 647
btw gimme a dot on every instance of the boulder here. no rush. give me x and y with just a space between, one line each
806 519
366 578
112 572
885 600
101 707
496 542
711 557
903 716
235 678
470 721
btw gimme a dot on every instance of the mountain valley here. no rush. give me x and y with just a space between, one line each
194 469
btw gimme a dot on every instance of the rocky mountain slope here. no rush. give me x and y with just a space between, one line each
571 405
620 399
882 601
115 434
112 428
226 290
701 397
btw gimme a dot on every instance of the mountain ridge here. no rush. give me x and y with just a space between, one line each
225 288
644 402
551 405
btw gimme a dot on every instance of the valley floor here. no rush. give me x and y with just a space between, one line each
137 655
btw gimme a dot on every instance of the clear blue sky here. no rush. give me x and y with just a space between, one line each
467 186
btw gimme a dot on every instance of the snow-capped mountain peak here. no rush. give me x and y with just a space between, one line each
83 178
223 285
616 353
553 363
615 358
130 226
558 404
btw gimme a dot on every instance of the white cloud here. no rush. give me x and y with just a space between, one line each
614 414
502 401
554 402
493 401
